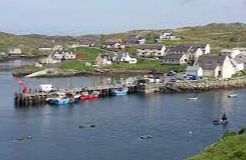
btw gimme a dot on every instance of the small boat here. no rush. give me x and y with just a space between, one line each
119 91
220 121
193 98
58 101
89 96
232 95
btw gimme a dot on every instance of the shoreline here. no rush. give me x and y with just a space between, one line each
10 58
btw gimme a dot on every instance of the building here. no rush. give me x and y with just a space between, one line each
64 55
175 59
44 48
124 57
73 46
136 39
219 66
195 71
14 51
103 60
150 50
241 58
49 60
114 44
168 35
57 48
190 52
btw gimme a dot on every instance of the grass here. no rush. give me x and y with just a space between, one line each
75 65
239 74
148 65
90 54
231 147
169 42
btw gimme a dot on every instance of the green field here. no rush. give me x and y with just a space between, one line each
148 65
89 54
231 147
75 65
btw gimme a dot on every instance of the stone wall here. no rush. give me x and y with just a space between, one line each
206 85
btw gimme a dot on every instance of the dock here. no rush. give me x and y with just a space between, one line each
36 97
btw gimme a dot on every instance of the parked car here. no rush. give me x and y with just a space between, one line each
170 73
190 77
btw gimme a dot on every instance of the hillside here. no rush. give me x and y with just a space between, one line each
231 147
219 35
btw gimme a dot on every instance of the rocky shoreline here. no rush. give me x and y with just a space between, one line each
207 85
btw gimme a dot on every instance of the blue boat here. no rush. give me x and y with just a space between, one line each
120 91
58 101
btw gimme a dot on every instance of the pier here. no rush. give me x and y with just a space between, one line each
36 97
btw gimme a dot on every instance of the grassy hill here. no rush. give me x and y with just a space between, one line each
231 147
219 35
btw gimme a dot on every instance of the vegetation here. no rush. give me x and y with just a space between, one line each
89 54
169 42
239 74
231 147
75 65
151 37
148 65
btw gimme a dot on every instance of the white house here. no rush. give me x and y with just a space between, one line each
124 57
73 46
14 51
136 39
44 48
150 50
219 66
114 44
168 35
103 60
241 58
232 53
57 48
194 71
64 55
49 60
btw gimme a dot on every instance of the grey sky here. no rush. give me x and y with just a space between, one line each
105 16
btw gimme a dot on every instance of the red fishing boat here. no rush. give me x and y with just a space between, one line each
89 96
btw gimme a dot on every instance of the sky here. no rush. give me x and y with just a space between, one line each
77 17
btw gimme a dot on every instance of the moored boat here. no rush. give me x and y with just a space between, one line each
58 101
232 95
220 121
119 91
193 98
89 96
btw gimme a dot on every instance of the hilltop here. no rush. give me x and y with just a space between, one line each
219 35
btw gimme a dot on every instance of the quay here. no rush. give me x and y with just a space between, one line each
35 97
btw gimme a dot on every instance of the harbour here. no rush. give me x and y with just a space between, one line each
170 120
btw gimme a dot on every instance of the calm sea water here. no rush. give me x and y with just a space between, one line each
120 121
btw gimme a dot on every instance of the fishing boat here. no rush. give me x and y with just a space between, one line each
193 98
119 91
220 121
58 101
232 95
89 96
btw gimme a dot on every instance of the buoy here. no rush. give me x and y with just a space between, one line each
190 132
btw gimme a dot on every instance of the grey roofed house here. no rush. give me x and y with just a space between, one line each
112 41
150 46
241 58
119 56
178 49
134 38
211 62
173 56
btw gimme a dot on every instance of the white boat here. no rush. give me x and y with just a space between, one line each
232 95
192 98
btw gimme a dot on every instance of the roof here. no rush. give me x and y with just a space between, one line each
178 48
173 56
112 41
134 38
159 47
211 62
241 58
120 55
192 68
